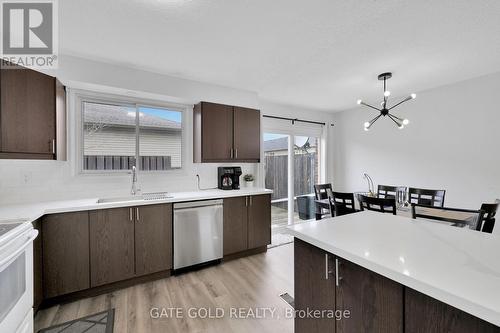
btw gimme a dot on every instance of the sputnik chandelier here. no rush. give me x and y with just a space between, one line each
386 110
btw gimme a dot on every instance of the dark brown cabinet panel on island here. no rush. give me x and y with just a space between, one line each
375 303
153 238
225 133
314 288
32 115
111 245
424 314
366 302
65 251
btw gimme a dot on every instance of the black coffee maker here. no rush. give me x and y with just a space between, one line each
229 178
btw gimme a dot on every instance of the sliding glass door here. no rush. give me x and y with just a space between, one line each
306 174
292 167
276 158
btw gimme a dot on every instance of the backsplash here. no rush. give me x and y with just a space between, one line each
23 181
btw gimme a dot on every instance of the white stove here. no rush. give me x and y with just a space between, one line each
16 276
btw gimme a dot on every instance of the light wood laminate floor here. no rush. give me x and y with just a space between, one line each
250 282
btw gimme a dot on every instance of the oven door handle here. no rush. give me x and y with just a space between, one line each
5 262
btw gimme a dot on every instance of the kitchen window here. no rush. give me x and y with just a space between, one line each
117 136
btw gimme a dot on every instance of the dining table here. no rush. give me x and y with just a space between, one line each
461 219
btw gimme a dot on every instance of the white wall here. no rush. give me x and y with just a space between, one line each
451 143
28 180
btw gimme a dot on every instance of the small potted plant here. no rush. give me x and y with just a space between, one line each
248 180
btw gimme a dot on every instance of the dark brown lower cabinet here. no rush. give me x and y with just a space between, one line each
111 245
247 223
375 303
65 251
314 288
235 231
424 314
259 221
153 239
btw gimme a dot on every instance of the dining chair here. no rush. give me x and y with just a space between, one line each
320 191
427 197
386 191
488 222
382 205
342 203
457 216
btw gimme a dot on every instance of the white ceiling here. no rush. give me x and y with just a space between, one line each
317 54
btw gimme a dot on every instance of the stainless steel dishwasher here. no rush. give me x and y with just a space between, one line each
197 232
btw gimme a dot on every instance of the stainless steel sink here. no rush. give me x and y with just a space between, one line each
145 196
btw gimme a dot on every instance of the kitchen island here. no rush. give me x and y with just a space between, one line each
394 274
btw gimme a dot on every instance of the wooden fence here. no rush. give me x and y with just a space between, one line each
276 170
147 163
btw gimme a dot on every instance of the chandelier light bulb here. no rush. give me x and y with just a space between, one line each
401 126
367 129
387 93
367 124
359 101
413 96
406 122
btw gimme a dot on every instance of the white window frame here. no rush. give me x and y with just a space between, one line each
82 96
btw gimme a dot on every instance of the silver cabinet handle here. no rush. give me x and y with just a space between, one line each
53 146
130 214
251 201
235 152
232 153
246 201
326 266
137 216
337 277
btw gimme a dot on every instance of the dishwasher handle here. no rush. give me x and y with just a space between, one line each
197 204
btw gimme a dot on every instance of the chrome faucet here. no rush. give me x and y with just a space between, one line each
134 190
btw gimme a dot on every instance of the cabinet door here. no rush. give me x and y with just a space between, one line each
259 221
235 225
246 134
111 245
28 120
217 132
314 288
426 314
65 239
153 239
375 302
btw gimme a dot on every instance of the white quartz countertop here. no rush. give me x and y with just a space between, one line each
32 211
457 266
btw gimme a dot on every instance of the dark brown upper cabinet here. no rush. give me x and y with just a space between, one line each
224 133
32 115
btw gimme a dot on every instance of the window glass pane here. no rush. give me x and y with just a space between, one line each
160 139
109 136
